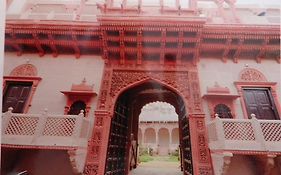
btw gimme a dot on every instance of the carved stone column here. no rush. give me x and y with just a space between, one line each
170 140
157 140
97 145
201 159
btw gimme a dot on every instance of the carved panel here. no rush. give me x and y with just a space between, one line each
195 91
202 144
91 169
121 79
251 75
202 148
24 70
205 171
198 136
116 80
104 89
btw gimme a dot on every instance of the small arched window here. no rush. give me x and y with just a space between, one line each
223 111
76 107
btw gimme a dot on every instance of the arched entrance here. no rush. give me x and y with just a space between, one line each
121 155
122 95
149 136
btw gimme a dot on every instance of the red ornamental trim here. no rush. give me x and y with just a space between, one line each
117 79
121 79
247 152
38 147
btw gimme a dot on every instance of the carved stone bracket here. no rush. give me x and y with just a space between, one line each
221 162
278 162
269 164
77 159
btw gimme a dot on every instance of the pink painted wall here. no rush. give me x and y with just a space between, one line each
175 136
242 165
58 74
149 136
41 162
212 70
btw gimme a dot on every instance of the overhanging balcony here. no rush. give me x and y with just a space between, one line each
44 130
245 135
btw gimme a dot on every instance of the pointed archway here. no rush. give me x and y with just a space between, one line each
121 156
122 95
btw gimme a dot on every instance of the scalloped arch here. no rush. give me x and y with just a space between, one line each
24 70
251 75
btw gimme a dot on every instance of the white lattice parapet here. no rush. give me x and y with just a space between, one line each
45 130
245 134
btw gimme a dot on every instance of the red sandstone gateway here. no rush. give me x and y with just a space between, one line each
77 74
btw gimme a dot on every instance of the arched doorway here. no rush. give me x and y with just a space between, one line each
149 136
120 86
124 126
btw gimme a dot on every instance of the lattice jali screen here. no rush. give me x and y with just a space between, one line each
212 132
59 126
238 130
22 125
271 131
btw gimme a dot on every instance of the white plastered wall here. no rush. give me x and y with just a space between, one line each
214 70
58 74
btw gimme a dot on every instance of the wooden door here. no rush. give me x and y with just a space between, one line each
15 96
117 154
185 142
260 102
186 155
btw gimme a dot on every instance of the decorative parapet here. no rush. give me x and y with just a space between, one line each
44 130
245 135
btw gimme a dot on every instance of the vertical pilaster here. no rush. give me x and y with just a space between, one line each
199 144
157 137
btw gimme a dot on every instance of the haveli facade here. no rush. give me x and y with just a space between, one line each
77 73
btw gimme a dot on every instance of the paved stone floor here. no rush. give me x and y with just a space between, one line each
157 167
